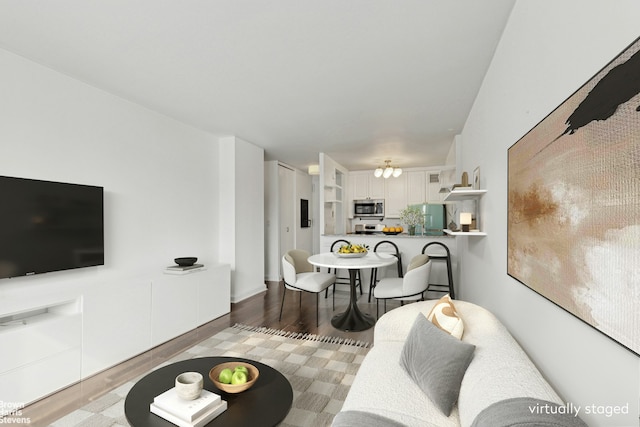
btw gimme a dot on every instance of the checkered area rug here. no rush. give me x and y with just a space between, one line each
319 368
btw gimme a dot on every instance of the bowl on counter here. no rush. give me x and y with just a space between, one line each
185 261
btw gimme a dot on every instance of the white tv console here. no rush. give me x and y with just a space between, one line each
54 340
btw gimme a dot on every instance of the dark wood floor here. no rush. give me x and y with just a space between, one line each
260 310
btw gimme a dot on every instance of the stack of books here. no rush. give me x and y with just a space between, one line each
179 269
188 413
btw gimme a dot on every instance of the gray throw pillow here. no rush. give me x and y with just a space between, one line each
436 361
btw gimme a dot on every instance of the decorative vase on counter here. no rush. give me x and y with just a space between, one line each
412 230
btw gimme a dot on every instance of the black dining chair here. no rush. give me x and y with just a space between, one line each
393 249
342 280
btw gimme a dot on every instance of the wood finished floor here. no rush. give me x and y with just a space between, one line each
260 310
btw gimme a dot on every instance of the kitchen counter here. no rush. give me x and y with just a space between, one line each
352 235
409 247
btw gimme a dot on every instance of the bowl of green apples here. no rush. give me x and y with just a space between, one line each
234 377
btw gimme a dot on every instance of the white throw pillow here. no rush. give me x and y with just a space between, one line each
445 317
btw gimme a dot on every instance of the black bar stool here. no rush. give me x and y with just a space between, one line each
436 287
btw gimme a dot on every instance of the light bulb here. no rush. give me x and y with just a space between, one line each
387 172
377 173
397 172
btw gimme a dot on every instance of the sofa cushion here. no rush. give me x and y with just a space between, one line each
363 419
445 316
526 411
383 387
436 361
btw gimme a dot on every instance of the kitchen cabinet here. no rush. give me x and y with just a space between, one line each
363 185
424 186
366 186
395 196
376 187
416 187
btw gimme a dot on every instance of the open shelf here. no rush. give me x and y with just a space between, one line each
458 195
465 233
467 194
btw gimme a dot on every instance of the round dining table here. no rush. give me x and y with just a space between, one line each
352 319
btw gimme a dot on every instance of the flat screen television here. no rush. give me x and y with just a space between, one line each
49 226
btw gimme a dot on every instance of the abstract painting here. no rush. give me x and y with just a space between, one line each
574 203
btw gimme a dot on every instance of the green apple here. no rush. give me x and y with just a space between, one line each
225 376
241 368
238 377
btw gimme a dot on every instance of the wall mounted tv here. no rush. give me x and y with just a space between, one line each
49 226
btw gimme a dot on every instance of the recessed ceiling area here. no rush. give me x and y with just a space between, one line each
360 80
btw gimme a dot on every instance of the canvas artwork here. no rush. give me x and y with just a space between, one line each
574 203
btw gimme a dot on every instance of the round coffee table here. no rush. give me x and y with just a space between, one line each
264 404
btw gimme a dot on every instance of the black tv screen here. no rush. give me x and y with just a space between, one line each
49 226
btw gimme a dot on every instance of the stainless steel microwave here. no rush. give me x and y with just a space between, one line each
368 208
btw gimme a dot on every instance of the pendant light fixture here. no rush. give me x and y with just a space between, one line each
387 171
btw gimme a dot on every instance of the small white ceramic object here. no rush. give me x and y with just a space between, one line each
189 385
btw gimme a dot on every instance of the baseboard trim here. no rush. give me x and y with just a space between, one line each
255 291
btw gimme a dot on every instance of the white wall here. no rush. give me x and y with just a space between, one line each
241 205
161 195
160 188
271 222
548 50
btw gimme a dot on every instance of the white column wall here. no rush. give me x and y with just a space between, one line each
241 207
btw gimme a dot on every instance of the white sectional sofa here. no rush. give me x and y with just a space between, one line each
384 394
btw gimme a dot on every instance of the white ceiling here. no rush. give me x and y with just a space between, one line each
360 80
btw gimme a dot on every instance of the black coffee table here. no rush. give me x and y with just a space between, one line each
264 404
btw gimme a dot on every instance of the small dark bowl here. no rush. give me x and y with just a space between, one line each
186 261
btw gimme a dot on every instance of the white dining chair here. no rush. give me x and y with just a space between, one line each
411 287
300 276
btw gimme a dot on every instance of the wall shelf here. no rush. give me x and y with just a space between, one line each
464 233
458 195
461 196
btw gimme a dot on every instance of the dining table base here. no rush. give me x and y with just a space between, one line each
353 320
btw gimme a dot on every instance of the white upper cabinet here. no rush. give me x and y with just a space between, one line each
413 187
359 185
376 187
395 195
416 187
366 186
